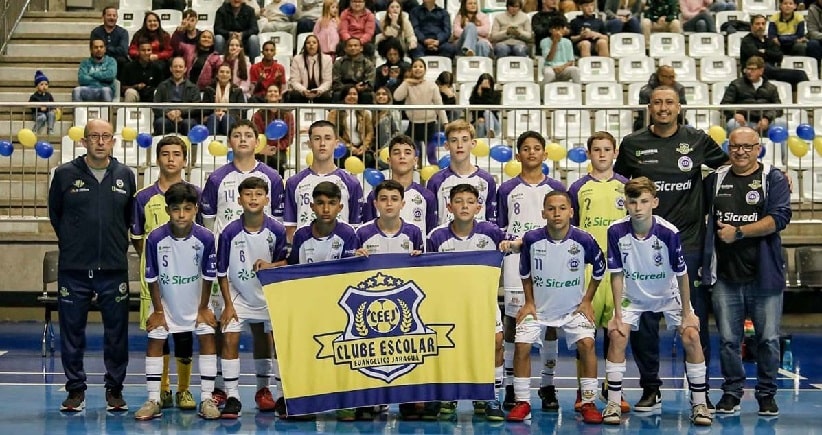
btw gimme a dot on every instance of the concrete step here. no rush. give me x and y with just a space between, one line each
54 29
56 74
59 60
69 16
46 49
8 128
21 96
29 189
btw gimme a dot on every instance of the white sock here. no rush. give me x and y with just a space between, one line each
278 383
262 367
498 389
154 371
219 382
508 362
522 389
208 371
231 376
696 382
589 389
549 352
613 373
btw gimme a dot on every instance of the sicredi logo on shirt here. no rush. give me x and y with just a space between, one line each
662 186
733 217
636 276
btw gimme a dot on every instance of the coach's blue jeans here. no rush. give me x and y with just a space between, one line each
732 302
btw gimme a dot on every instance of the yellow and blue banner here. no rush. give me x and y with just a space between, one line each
382 329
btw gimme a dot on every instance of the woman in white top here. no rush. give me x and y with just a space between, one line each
311 75
415 90
396 25
471 29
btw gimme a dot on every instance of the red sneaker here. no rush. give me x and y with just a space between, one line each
578 402
521 412
265 401
590 414
626 408
219 396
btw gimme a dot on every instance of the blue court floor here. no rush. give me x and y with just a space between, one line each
31 389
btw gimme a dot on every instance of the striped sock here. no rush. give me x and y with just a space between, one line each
231 376
154 371
208 371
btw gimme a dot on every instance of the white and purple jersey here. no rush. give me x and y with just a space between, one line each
340 243
650 266
219 198
420 208
298 197
180 266
238 250
485 236
519 205
557 269
407 239
443 181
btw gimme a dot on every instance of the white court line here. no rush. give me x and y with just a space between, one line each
791 375
3 352
817 386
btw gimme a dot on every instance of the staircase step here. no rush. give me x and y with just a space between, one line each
64 73
54 29
49 61
70 16
9 128
20 96
46 49
25 188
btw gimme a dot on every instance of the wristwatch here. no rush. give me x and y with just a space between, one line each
739 234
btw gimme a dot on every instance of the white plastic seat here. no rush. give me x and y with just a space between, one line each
136 5
684 67
83 114
735 44
69 150
492 5
705 44
470 68
603 94
571 123
283 40
804 63
138 118
809 93
717 68
129 153
206 5
205 19
635 68
615 121
517 121
627 44
633 92
562 94
434 65
515 69
793 117
464 92
785 91
520 94
666 44
758 6
306 117
170 18
596 69
301 42
723 17
130 19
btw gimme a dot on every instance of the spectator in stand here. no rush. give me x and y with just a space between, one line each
354 69
185 37
445 83
416 90
265 73
756 43
308 12
391 73
623 16
751 88
179 5
813 24
511 32
396 25
432 26
559 54
327 28
116 37
485 121
44 115
723 5
696 16
660 16
273 19
140 77
787 29
471 30
355 129
588 32
358 22
176 89
407 5
240 67
540 20
222 91
96 75
160 40
386 121
275 154
235 18
664 76
205 47
311 75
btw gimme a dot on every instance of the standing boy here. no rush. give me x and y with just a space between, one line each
389 233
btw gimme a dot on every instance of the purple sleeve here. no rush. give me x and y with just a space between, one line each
296 246
350 243
138 218
594 257
289 205
368 210
416 238
431 211
573 192
675 256
151 259
279 243
354 201
208 200
502 205
209 261
432 244
525 256
277 193
491 199
224 250
614 254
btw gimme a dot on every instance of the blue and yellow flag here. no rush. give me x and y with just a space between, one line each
385 329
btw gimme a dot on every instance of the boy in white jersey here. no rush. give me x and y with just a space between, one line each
389 233
552 267
150 213
462 234
180 267
519 210
648 274
298 211
460 140
420 207
252 242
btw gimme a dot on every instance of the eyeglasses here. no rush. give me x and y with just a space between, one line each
105 137
747 147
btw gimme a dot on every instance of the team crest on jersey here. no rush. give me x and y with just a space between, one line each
335 244
574 249
416 200
620 203
573 264
752 197
270 241
482 243
755 184
683 148
656 245
198 253
385 337
657 258
685 163
78 184
417 214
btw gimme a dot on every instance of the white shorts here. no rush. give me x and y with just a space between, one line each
244 325
671 309
162 333
575 326
499 321
513 296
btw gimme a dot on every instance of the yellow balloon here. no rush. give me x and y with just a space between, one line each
26 137
384 154
262 141
428 171
512 168
717 133
75 133
354 165
797 146
129 134
590 167
555 151
309 158
817 144
482 149
217 148
186 141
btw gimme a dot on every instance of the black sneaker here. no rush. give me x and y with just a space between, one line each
767 406
232 409
366 413
548 394
431 410
114 401
651 399
728 404
508 403
408 411
709 404
75 402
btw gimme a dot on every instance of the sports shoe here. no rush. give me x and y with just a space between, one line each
768 406
409 411
167 399
521 412
265 401
219 397
590 413
508 402
479 406
75 402
728 404
603 396
114 401
612 414
279 408
150 410
578 401
366 413
548 394
709 404
448 407
185 400
232 409
651 399
347 414
431 410
493 411
209 410
700 415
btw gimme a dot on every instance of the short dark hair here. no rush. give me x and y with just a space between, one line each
389 185
400 139
269 42
327 189
557 22
553 193
172 140
319 124
189 13
253 183
601 135
755 17
460 188
180 193
528 135
92 40
635 187
109 7
243 123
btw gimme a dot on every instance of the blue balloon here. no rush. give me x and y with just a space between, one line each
340 150
144 140
230 156
277 129
198 133
778 134
545 169
6 148
725 147
439 138
374 176
43 149
577 155
501 153
761 151
805 132
445 161
288 9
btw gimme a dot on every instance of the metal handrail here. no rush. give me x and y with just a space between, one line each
13 8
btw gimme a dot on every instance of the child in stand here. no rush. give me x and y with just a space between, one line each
44 115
